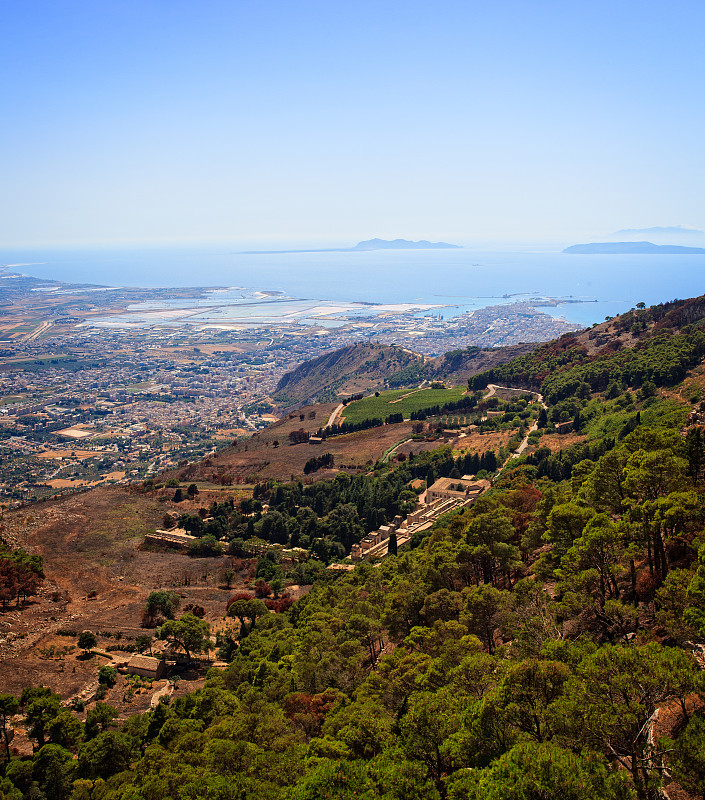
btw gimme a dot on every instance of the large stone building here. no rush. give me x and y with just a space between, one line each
455 489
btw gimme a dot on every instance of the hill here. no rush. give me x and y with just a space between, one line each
637 248
456 366
656 345
367 245
536 640
670 230
357 368
369 367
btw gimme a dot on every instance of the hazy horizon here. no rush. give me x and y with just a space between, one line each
138 124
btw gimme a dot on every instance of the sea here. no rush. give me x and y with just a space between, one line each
587 287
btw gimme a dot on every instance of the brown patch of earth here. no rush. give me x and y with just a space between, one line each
560 441
97 579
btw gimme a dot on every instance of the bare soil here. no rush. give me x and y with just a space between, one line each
97 579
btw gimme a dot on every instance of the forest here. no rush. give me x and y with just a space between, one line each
543 642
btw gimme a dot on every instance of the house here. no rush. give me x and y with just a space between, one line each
565 427
146 666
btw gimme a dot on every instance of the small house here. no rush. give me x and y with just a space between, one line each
146 666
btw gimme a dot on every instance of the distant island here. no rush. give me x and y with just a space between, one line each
638 248
403 244
679 230
367 245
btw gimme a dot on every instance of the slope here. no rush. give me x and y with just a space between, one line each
368 367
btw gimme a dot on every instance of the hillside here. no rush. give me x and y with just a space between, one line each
457 366
534 641
656 345
358 368
369 367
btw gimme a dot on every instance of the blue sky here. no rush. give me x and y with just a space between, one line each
317 122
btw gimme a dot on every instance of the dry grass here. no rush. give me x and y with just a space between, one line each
96 579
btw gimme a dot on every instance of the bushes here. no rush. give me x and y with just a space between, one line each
318 462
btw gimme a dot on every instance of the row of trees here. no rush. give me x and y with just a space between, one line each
330 515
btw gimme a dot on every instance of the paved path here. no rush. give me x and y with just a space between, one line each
334 416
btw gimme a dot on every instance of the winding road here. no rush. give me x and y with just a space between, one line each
525 443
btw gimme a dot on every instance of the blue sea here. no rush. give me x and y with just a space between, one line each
591 286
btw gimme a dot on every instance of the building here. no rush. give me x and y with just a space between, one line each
177 537
450 498
146 666
455 489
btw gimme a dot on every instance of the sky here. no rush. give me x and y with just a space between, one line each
164 121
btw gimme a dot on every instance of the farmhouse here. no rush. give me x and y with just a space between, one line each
146 666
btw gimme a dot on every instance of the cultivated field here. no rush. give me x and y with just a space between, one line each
400 401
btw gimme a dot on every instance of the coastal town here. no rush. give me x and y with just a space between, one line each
84 403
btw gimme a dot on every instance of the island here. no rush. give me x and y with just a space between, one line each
403 244
633 248
671 230
366 246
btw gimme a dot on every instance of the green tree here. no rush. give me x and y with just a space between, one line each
247 610
99 719
41 708
528 691
364 727
8 791
598 547
161 603
107 675
65 729
205 546
687 757
105 755
87 641
538 771
608 703
188 633
9 705
54 770
491 538
19 772
565 524
143 642
392 547
484 606
426 729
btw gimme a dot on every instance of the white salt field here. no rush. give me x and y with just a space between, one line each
249 308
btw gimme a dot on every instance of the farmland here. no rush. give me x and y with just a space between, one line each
400 401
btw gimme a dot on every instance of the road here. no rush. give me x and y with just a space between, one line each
334 416
38 331
525 443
